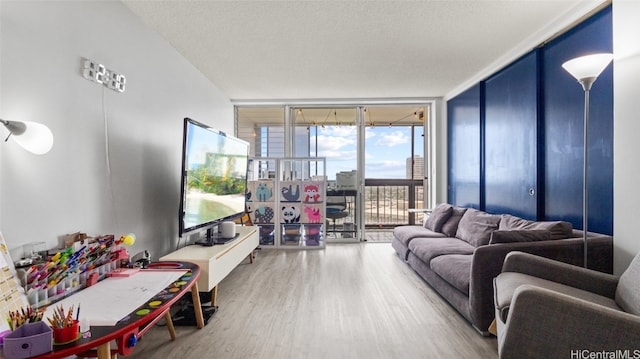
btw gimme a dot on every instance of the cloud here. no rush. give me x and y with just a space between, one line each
335 155
368 133
333 142
340 131
392 139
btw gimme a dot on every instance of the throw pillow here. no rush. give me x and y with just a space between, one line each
557 229
475 227
438 217
450 227
510 236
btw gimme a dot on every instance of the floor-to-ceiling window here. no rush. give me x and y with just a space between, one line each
375 156
394 164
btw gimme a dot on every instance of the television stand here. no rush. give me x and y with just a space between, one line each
212 238
216 262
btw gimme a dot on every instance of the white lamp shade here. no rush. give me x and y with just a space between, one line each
590 66
37 138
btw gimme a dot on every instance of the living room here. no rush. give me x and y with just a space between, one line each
114 165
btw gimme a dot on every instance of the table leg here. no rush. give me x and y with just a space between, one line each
172 330
197 306
104 351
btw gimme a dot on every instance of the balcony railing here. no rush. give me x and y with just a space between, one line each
386 202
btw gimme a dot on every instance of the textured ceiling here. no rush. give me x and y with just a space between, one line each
255 50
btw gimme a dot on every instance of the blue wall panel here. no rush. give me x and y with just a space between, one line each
563 129
522 128
511 121
463 145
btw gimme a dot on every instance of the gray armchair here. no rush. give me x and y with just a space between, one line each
550 309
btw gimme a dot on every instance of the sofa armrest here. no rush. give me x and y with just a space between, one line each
547 324
487 264
578 277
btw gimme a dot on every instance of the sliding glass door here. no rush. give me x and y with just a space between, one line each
332 133
394 171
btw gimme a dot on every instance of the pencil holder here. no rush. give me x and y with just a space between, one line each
28 340
66 334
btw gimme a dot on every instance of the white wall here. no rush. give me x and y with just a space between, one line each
626 129
70 188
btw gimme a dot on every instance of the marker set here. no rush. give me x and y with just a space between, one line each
68 271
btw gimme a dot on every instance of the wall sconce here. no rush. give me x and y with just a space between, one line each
32 136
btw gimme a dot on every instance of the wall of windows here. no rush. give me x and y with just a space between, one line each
382 147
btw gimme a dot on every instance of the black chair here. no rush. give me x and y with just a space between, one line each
336 209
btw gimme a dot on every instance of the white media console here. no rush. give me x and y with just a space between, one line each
217 261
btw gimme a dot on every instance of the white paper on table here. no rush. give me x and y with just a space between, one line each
110 300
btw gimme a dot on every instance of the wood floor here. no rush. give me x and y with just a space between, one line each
346 301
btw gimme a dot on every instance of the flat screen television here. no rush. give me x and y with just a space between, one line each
213 181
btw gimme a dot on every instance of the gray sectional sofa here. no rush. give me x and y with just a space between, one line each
458 251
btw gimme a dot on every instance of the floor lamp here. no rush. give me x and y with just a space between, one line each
586 70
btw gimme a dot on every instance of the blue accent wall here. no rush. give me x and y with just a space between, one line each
563 123
463 146
511 121
526 122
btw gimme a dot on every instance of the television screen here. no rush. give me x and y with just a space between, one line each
214 176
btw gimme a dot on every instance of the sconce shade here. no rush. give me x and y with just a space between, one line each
587 67
32 136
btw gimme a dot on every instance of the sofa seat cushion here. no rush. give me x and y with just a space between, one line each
507 283
405 234
428 248
455 269
557 229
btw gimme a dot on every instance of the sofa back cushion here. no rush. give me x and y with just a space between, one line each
450 227
509 222
628 290
557 229
516 235
475 227
438 217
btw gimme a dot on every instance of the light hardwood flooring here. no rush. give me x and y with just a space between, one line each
378 235
346 301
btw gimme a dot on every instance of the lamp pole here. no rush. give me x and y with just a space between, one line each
586 85
586 70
